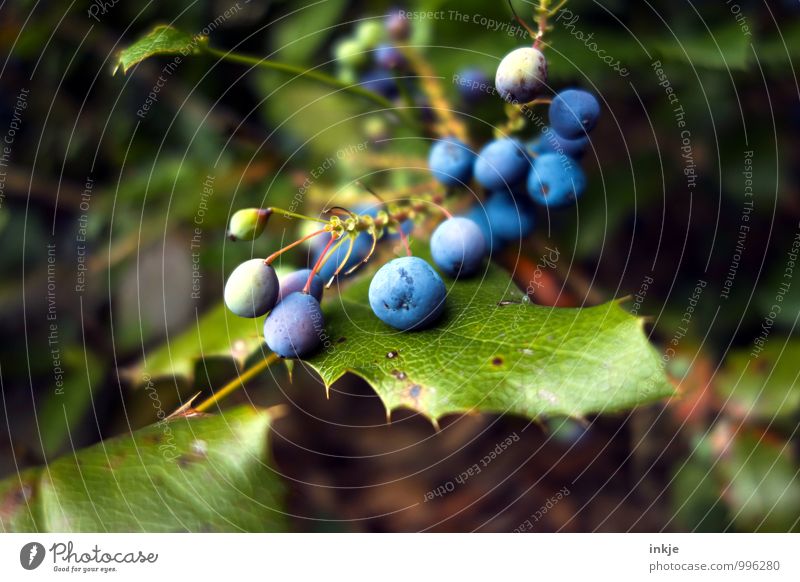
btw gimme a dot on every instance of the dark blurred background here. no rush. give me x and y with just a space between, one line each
99 205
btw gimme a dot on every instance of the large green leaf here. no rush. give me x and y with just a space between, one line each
495 351
218 333
188 474
162 40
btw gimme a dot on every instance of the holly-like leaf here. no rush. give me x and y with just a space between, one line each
188 474
162 40
217 334
495 351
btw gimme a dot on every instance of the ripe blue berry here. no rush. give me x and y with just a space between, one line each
451 161
251 289
458 247
380 82
502 163
387 56
397 25
509 217
556 180
294 329
294 282
477 214
521 75
573 113
406 293
361 248
473 85
551 142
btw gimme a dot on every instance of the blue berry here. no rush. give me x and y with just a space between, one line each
573 113
406 293
477 214
509 219
521 75
502 163
551 142
397 25
451 161
555 180
295 327
251 289
361 248
458 247
387 56
294 282
381 82
473 85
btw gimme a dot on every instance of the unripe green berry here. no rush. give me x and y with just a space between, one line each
350 53
369 33
248 223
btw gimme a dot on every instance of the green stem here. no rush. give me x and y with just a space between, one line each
311 74
237 383
283 212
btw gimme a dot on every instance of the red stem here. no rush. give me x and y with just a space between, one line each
276 254
318 264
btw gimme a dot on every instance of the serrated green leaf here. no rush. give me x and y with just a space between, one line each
189 474
495 351
218 334
162 40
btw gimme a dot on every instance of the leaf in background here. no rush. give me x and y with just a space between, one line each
61 414
495 351
218 333
695 492
296 42
290 104
201 474
724 47
765 387
761 485
162 40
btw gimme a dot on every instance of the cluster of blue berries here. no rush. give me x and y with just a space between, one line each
408 293
519 176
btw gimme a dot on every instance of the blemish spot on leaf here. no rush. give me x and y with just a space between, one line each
399 375
549 396
392 355
527 351
200 448
341 340
415 391
497 361
506 302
